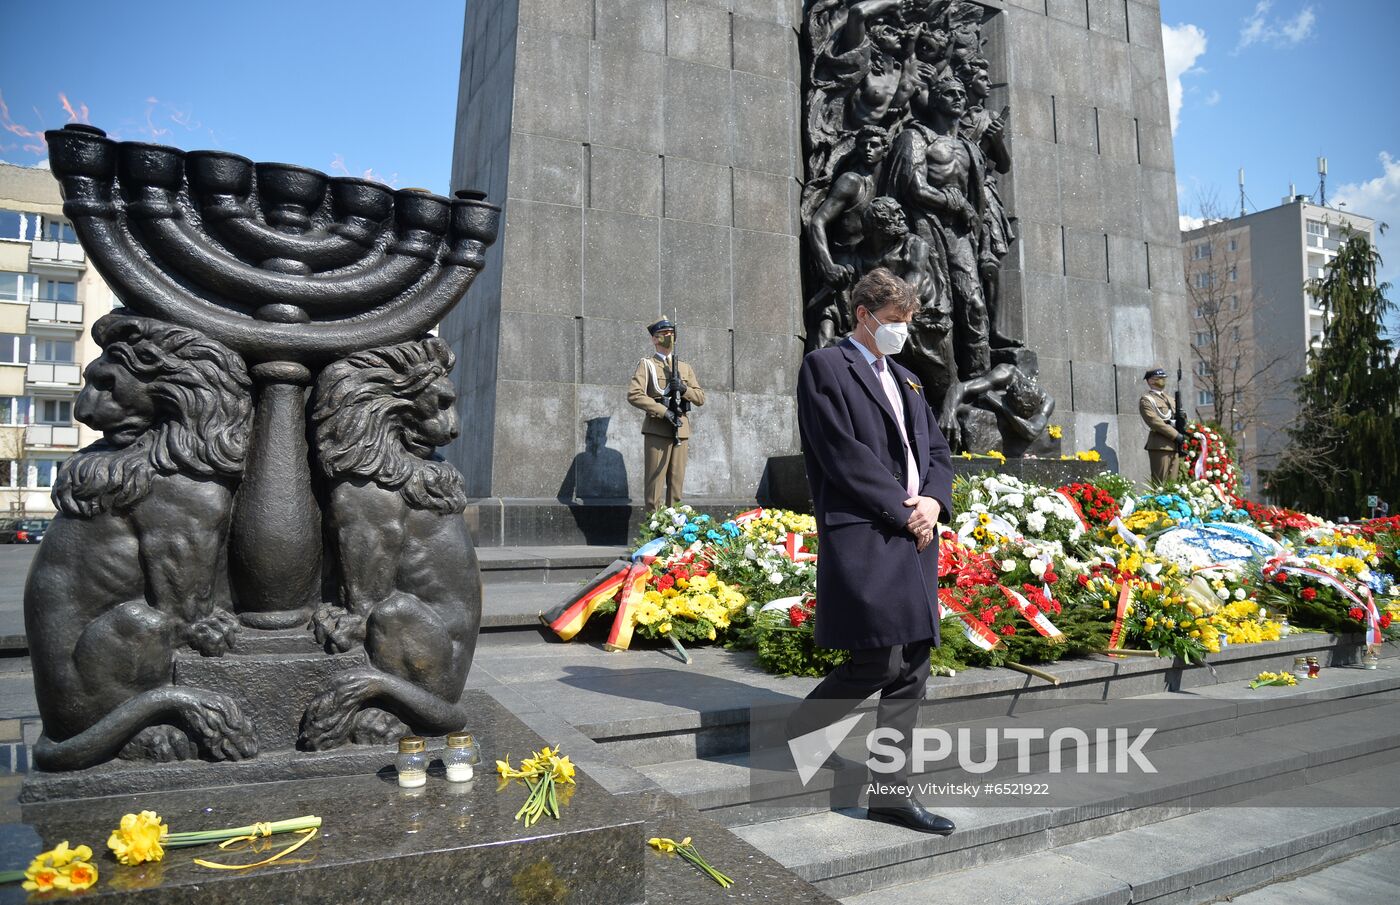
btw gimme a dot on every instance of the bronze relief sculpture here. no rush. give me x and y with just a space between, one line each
897 118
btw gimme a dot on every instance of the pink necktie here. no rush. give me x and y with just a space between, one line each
911 470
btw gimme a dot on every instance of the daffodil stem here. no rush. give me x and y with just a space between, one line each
691 854
11 876
204 837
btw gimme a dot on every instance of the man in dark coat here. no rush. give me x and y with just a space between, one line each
881 478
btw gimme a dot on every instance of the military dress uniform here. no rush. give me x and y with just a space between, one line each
1163 440
663 459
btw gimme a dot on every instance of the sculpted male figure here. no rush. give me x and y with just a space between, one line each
881 481
936 174
837 228
988 133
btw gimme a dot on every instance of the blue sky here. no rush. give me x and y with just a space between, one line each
1271 86
347 87
369 88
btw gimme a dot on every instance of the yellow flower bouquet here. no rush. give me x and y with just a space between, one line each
61 868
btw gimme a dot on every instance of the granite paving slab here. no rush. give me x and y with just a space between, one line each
1365 879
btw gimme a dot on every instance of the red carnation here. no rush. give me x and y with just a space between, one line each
1280 578
987 616
1309 593
1032 611
1356 613
1385 620
797 616
1008 629
1083 581
1050 577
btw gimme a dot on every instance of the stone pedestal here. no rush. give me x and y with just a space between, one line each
443 843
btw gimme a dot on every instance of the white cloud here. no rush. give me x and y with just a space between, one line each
1212 99
1259 28
1182 46
1187 221
1378 198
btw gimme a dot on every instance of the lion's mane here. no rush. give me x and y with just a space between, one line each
361 402
204 405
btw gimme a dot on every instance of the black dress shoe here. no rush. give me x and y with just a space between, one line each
908 812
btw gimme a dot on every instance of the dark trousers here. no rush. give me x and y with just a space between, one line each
898 673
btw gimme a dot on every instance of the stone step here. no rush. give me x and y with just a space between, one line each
722 785
844 854
1197 858
712 710
561 564
1368 876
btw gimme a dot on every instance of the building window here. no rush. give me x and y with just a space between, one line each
45 471
55 411
59 291
1204 338
1317 228
1200 251
1234 302
1204 279
1233 275
14 410
9 473
1234 334
13 225
14 349
1234 245
1202 369
60 350
59 231
1205 397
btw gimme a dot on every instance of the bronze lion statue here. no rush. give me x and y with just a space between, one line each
133 567
408 583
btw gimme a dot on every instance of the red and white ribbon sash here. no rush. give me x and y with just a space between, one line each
1039 621
977 631
1199 470
1367 602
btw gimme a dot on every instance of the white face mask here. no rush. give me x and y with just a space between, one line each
889 338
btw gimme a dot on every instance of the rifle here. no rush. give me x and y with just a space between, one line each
676 403
1179 417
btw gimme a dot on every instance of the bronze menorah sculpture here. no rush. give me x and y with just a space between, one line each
197 526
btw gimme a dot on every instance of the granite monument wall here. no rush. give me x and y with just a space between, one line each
649 158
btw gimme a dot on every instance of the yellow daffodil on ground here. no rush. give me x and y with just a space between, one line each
689 853
1274 678
138 838
145 837
539 772
61 868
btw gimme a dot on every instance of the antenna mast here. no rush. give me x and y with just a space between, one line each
1322 181
1242 211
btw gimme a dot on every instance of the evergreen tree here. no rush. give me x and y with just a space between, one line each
1346 441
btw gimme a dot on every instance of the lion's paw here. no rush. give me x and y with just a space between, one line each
161 744
215 634
377 727
337 630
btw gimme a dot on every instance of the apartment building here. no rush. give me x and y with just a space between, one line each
1252 320
49 299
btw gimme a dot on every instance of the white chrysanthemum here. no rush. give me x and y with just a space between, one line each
1043 504
1015 500
1036 522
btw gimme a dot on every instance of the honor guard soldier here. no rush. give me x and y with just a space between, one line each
664 388
1159 414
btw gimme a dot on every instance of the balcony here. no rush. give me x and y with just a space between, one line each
11 443
53 373
53 436
51 252
61 314
14 316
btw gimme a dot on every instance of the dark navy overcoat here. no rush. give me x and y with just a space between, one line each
874 588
